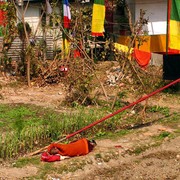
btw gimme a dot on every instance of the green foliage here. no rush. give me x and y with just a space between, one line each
22 30
78 82
100 133
9 32
172 120
21 162
163 110
162 135
26 128
139 149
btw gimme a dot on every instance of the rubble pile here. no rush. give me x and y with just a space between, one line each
115 77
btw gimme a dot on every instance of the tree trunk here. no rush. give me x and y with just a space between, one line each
28 70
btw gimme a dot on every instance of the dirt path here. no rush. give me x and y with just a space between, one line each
111 159
49 96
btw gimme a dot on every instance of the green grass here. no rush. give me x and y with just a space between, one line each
172 121
21 162
111 134
162 135
25 128
163 110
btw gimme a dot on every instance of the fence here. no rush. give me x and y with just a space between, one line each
16 46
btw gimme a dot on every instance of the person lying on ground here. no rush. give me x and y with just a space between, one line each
57 152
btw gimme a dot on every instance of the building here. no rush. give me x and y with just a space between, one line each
162 32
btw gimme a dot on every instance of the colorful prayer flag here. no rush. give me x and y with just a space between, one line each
66 46
174 25
66 14
98 18
66 25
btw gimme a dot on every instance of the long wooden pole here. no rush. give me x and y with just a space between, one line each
167 25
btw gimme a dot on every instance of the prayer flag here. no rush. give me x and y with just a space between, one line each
66 46
174 26
66 14
98 18
66 25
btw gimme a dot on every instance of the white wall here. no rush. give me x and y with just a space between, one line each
32 16
156 11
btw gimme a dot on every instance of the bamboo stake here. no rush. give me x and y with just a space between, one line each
44 148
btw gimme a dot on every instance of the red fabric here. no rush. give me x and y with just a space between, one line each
49 158
2 15
2 18
173 51
142 57
170 51
77 148
66 22
97 34
77 53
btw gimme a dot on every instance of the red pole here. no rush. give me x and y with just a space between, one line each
122 109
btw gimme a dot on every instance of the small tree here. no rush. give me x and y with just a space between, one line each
22 36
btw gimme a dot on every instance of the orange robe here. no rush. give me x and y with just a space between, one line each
77 148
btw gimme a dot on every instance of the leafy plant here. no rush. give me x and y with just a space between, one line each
163 110
9 32
162 135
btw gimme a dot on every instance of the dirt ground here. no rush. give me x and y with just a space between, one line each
112 158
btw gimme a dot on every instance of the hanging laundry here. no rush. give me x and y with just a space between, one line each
142 57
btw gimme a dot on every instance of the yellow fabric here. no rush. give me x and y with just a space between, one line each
98 18
122 48
158 43
154 43
66 47
174 37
